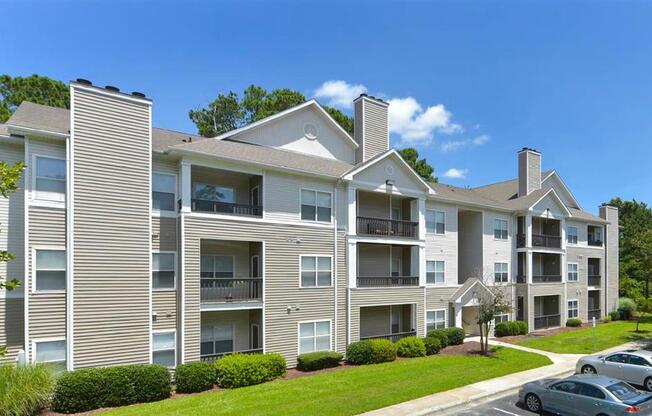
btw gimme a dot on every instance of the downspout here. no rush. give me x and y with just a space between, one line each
335 269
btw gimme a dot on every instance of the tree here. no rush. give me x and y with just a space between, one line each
489 305
643 308
35 88
420 166
229 112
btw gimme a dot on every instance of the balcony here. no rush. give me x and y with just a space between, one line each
214 357
546 312
521 279
594 280
218 191
217 207
388 281
548 278
387 228
385 265
230 332
547 321
392 337
546 268
594 236
542 240
242 289
391 322
595 313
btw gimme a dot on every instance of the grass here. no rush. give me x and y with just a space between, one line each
348 391
580 341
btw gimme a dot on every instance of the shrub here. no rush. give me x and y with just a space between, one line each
92 388
510 328
318 360
239 370
432 344
358 353
574 322
626 308
439 334
606 319
455 336
614 316
382 350
24 390
195 377
410 347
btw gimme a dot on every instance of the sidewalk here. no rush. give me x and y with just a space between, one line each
448 401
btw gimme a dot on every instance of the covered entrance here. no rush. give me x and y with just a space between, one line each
466 301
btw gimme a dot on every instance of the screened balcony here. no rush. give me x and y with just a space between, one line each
594 277
385 215
594 234
382 265
228 332
391 322
546 268
594 310
545 232
218 191
546 312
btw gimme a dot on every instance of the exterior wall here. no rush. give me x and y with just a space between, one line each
164 305
470 243
375 176
164 164
582 234
238 249
164 233
41 147
374 131
238 181
529 172
283 195
550 205
373 260
12 324
553 182
111 142
611 257
373 204
439 298
444 247
12 222
496 251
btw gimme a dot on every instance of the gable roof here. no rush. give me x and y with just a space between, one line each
466 196
40 117
502 191
308 104
468 285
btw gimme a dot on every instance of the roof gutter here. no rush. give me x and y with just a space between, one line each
22 130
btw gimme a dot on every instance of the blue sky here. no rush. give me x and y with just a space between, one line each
470 82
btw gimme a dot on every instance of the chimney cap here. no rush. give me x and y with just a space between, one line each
138 94
84 81
370 97
529 149
112 88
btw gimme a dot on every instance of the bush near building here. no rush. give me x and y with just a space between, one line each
410 347
318 360
510 328
24 390
239 370
194 377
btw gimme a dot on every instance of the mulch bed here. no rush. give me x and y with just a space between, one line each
543 333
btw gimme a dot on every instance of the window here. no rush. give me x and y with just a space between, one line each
500 273
163 191
50 178
571 235
215 193
567 387
572 272
216 266
314 336
216 339
164 348
500 229
500 317
618 358
52 353
163 270
435 320
573 309
396 266
315 206
591 391
435 222
50 270
315 271
435 272
636 360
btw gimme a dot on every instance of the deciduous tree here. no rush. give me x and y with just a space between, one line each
420 166
35 88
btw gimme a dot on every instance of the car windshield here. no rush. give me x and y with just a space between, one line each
623 391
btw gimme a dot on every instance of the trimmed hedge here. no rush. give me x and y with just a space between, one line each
239 370
455 336
194 377
574 322
370 351
432 345
318 360
382 350
410 347
510 328
92 388
439 334
24 390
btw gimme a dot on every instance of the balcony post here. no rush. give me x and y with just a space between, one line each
420 253
352 261
422 218
186 185
528 266
528 230
352 194
562 224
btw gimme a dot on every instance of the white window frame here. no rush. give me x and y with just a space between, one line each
44 340
54 197
435 320
577 272
233 338
435 212
167 289
568 234
152 350
35 269
316 191
576 309
506 272
504 317
496 220
316 257
436 283
314 322
173 212
217 255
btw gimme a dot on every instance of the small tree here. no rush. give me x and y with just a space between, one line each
643 308
491 303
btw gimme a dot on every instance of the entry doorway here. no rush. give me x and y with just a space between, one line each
470 320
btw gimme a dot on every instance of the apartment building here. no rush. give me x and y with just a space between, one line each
136 244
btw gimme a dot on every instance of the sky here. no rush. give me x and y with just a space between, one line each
469 82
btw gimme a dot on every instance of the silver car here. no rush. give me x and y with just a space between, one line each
585 395
632 366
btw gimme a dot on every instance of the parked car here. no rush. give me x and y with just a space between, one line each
632 366
585 395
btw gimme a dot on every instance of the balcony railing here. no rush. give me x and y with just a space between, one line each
388 281
216 207
521 279
213 357
544 240
231 289
594 280
392 337
548 278
595 313
547 321
520 240
384 227
592 241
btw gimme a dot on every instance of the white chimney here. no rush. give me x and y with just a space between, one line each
371 127
529 171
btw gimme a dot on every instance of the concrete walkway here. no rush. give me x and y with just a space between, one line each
447 402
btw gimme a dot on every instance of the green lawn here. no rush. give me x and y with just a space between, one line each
580 341
348 391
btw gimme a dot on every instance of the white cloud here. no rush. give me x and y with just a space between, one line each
458 144
414 125
340 93
454 173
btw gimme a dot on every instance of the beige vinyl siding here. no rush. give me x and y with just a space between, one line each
342 283
111 230
496 251
439 298
364 297
581 256
282 192
12 318
444 247
164 164
611 256
12 221
281 278
470 243
375 128
164 234
164 305
357 132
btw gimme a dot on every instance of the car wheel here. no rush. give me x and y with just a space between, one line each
588 369
648 383
533 403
